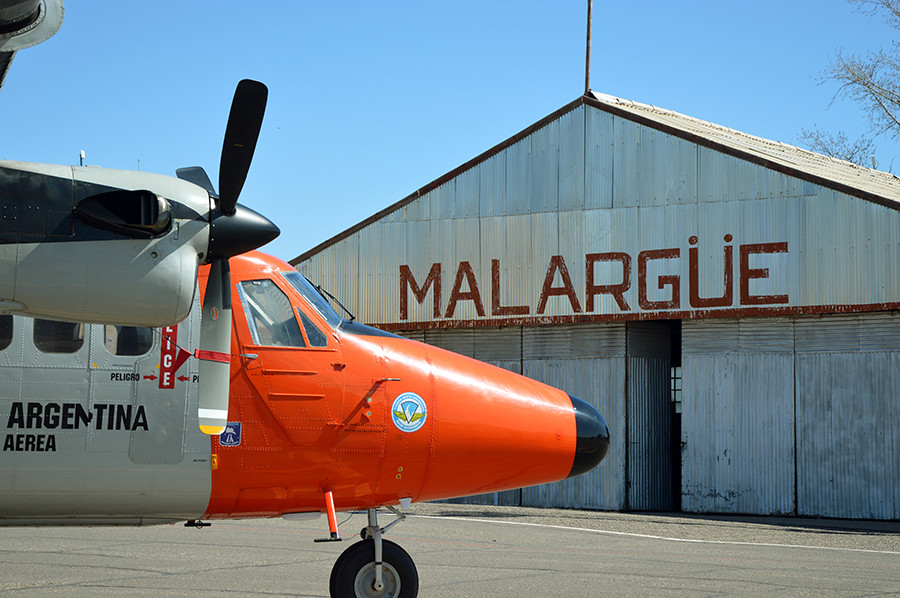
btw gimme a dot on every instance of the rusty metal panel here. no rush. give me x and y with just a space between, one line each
737 422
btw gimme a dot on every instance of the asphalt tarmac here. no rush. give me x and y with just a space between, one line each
468 551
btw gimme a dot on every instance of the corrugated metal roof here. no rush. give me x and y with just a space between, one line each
837 174
869 184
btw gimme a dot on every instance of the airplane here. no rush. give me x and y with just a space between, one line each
252 397
103 425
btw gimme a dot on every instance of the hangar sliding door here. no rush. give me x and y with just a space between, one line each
738 416
848 416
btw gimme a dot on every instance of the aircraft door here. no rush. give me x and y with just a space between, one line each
292 362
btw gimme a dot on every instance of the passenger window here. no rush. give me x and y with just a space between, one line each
53 336
269 315
128 340
6 329
315 336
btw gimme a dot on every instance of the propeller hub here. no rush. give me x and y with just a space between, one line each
242 231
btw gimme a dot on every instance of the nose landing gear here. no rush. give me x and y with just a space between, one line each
374 567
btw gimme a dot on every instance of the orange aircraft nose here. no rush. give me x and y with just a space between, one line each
488 430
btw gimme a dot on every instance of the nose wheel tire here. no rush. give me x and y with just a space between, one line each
353 574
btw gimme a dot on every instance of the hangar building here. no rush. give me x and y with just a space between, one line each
729 303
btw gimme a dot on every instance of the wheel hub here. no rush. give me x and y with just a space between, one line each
365 582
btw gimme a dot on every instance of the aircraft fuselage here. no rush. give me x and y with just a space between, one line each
100 423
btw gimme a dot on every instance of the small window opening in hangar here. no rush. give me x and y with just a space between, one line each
676 444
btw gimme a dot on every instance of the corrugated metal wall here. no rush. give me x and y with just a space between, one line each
792 415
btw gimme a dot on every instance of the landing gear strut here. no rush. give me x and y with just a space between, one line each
374 567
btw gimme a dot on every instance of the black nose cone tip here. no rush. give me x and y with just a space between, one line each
593 437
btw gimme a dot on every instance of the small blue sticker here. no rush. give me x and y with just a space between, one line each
232 435
409 412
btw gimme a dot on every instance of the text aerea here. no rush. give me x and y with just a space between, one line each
466 287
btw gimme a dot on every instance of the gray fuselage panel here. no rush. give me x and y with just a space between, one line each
93 433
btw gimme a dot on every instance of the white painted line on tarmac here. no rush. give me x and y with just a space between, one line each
651 537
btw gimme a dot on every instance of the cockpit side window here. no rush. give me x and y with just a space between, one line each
6 330
127 340
315 336
53 336
269 314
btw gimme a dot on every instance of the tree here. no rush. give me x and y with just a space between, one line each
872 81
838 146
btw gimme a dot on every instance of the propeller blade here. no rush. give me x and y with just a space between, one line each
241 134
215 350
198 176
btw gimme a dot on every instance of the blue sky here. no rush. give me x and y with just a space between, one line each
368 101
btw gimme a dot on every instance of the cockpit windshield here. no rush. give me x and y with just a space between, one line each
313 297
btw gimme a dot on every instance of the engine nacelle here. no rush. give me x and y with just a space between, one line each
25 23
98 245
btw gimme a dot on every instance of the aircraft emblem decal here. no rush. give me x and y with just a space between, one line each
409 412
232 434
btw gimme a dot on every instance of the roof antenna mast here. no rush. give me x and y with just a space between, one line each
587 59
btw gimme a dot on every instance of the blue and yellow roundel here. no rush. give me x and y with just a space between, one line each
409 412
